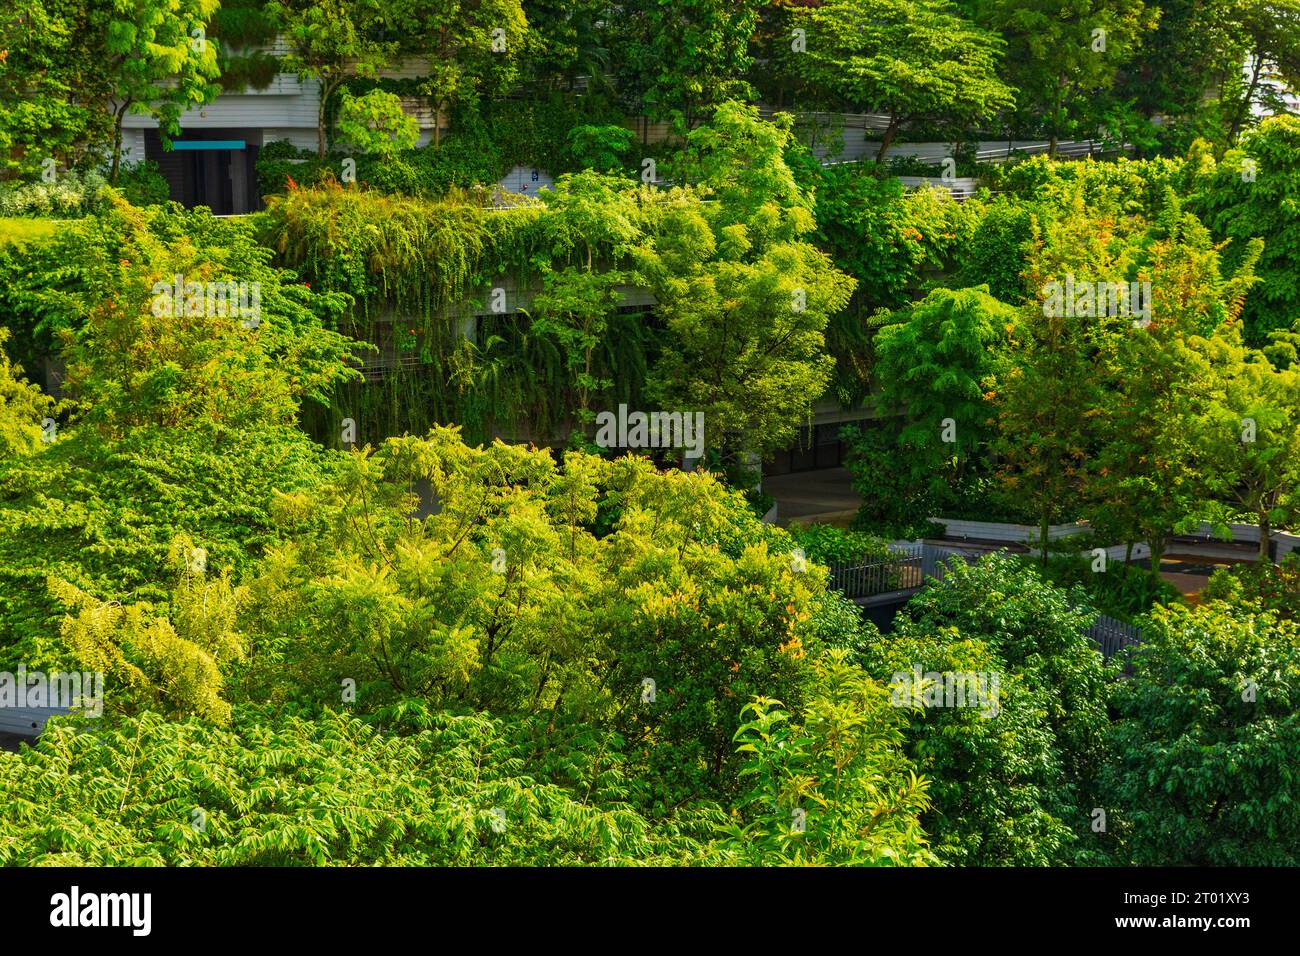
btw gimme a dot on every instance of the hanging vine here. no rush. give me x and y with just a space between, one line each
417 268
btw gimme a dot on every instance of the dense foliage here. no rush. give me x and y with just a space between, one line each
1206 768
342 620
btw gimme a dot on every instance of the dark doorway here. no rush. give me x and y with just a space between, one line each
816 448
222 177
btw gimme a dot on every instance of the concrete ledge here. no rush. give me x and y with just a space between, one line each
1003 531
889 597
27 721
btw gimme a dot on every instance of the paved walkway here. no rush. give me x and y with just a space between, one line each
825 496
1191 573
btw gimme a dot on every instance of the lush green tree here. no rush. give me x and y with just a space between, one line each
182 425
102 514
376 123
1048 397
1061 53
571 39
170 662
914 60
680 59
473 46
593 225
1252 436
888 239
1195 51
1012 771
1205 766
937 364
744 295
1253 193
996 254
836 788
505 600
158 355
332 42
1267 35
1151 476
156 60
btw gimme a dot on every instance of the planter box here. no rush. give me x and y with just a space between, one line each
1115 553
962 187
1241 533
1286 544
1002 531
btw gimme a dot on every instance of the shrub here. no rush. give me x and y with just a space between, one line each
601 148
71 196
1272 587
376 123
1123 591
996 254
142 184
1206 770
827 544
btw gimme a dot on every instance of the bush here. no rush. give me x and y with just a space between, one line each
601 148
1206 769
827 544
376 123
1123 591
996 255
283 149
1271 587
1012 784
142 184
426 172
71 196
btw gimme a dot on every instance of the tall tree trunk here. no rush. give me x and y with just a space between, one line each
327 88
888 141
1265 529
1056 120
1043 524
320 128
117 141
1239 120
1157 543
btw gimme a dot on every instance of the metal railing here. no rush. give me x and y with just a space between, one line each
1113 637
904 568
899 570
908 568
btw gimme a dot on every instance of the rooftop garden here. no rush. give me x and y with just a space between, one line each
411 522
